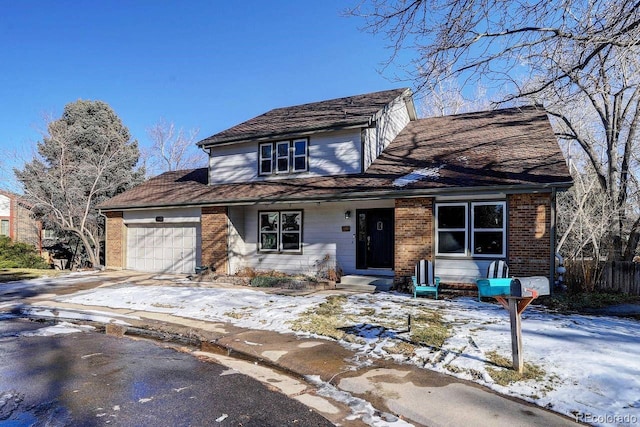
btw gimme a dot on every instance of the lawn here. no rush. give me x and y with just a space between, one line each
13 274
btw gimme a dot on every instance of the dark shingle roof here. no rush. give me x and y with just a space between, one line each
513 148
332 114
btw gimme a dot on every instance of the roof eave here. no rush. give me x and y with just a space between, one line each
284 135
358 195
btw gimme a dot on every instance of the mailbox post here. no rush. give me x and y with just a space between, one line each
523 292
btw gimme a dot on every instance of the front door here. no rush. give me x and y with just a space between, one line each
375 238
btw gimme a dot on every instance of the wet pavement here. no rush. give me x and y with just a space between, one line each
93 379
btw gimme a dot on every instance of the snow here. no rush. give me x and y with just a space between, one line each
591 366
432 173
62 328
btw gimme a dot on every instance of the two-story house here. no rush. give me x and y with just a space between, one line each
16 221
359 181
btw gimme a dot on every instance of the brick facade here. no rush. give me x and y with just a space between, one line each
215 227
115 240
528 235
413 235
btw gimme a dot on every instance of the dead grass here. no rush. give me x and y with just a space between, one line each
402 348
13 274
325 320
428 328
504 375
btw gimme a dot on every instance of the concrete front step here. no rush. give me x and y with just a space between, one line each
365 283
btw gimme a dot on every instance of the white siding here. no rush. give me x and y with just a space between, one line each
461 270
5 206
322 236
233 163
388 126
148 216
330 153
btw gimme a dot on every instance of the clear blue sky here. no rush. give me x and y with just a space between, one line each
201 64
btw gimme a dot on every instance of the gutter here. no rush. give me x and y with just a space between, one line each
360 195
274 136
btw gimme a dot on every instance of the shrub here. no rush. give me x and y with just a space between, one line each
19 255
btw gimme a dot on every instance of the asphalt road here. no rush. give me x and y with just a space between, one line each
91 379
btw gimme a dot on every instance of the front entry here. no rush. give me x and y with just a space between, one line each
375 238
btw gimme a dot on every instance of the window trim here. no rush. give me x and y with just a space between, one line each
295 156
470 229
466 230
502 229
286 157
291 157
279 232
261 159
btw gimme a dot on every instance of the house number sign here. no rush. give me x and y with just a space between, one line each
380 225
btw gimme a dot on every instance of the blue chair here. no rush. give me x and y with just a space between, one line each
497 282
424 281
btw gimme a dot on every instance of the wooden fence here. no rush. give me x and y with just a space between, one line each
617 276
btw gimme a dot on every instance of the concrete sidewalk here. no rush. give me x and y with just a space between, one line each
417 396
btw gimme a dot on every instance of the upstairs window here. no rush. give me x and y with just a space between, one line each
284 157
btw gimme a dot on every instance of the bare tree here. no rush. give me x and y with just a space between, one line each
579 58
86 157
172 149
446 98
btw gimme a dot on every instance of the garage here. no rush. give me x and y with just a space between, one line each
162 248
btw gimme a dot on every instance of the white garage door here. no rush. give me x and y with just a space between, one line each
166 248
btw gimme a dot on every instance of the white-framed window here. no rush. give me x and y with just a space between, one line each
266 158
477 229
280 231
4 227
284 157
451 229
299 155
488 229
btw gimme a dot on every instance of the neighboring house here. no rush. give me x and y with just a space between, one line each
360 180
16 221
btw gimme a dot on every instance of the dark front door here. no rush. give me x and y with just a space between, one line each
375 238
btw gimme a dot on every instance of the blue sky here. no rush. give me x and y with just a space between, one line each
200 64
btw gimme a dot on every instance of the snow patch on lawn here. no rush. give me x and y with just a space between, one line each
590 364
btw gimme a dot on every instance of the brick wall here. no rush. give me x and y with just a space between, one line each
214 226
115 240
413 235
528 235
27 229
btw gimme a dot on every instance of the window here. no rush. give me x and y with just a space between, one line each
452 229
4 227
265 158
283 157
471 229
280 231
488 234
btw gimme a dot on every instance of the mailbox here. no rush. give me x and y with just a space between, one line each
524 286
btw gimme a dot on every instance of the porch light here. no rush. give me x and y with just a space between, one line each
347 215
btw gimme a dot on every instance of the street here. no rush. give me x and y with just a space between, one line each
48 377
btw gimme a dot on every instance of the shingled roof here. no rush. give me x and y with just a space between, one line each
503 150
340 113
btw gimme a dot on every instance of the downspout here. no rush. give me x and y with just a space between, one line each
105 239
552 236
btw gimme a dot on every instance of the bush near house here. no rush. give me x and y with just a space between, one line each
19 255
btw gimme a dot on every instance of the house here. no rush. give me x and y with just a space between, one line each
16 221
359 181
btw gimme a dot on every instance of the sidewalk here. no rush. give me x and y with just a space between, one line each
417 396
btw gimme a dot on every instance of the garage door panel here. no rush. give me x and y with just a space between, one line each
167 248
